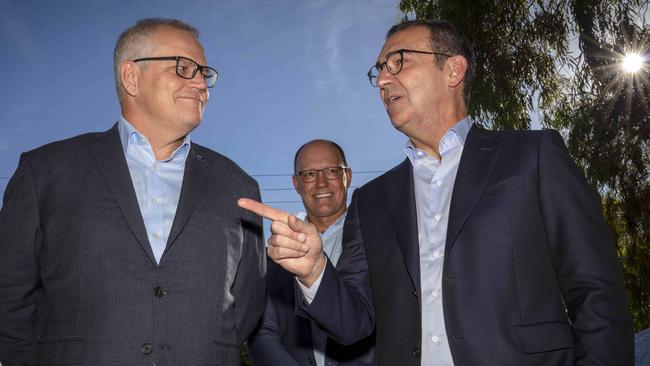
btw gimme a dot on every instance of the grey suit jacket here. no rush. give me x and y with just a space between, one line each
79 284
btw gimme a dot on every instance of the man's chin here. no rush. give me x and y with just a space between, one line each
398 124
191 124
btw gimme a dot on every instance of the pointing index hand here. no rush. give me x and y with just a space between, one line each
295 245
263 210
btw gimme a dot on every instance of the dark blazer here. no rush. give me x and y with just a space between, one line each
74 252
283 338
530 274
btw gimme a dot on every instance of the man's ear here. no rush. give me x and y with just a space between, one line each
348 177
129 73
456 67
296 184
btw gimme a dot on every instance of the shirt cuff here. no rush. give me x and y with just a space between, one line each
309 293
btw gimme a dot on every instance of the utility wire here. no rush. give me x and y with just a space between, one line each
291 189
289 174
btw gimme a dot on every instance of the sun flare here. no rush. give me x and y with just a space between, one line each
632 62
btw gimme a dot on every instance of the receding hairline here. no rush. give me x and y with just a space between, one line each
331 143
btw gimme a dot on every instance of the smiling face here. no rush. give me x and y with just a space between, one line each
325 200
162 100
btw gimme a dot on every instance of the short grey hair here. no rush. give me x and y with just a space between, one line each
138 41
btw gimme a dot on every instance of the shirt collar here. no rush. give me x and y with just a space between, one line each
332 228
455 136
128 135
335 226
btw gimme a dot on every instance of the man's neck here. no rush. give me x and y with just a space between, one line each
163 144
323 223
428 140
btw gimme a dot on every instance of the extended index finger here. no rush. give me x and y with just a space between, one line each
263 210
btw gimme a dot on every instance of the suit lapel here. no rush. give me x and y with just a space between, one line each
476 163
195 177
401 200
109 155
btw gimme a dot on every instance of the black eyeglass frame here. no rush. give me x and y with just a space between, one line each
198 67
380 66
339 174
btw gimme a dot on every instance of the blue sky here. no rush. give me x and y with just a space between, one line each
290 71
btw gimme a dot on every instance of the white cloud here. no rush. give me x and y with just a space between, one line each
13 27
341 19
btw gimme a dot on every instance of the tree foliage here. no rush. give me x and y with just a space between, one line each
559 61
516 55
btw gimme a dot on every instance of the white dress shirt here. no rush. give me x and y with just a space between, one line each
433 184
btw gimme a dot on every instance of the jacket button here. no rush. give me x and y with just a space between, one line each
147 348
159 291
416 352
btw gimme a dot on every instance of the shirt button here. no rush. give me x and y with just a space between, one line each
437 217
435 339
437 253
435 293
154 201
438 183
155 235
147 348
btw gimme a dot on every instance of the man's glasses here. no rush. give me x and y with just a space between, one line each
310 175
394 62
187 68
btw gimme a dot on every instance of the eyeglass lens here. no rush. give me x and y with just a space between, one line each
393 64
331 173
187 68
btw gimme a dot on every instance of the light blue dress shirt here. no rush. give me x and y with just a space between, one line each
157 183
433 184
331 238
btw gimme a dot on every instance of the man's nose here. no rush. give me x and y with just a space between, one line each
199 82
321 180
384 77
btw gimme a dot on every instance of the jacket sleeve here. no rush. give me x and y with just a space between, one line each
265 346
343 305
249 287
584 255
20 239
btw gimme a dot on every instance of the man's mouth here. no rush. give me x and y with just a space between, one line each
322 195
196 97
391 99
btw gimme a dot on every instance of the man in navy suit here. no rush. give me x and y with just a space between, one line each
321 178
480 248
127 244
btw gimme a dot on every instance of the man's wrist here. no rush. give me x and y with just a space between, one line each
319 267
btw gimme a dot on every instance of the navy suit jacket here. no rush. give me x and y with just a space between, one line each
530 274
74 252
283 338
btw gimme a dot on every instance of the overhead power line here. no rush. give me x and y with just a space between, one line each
292 189
289 174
